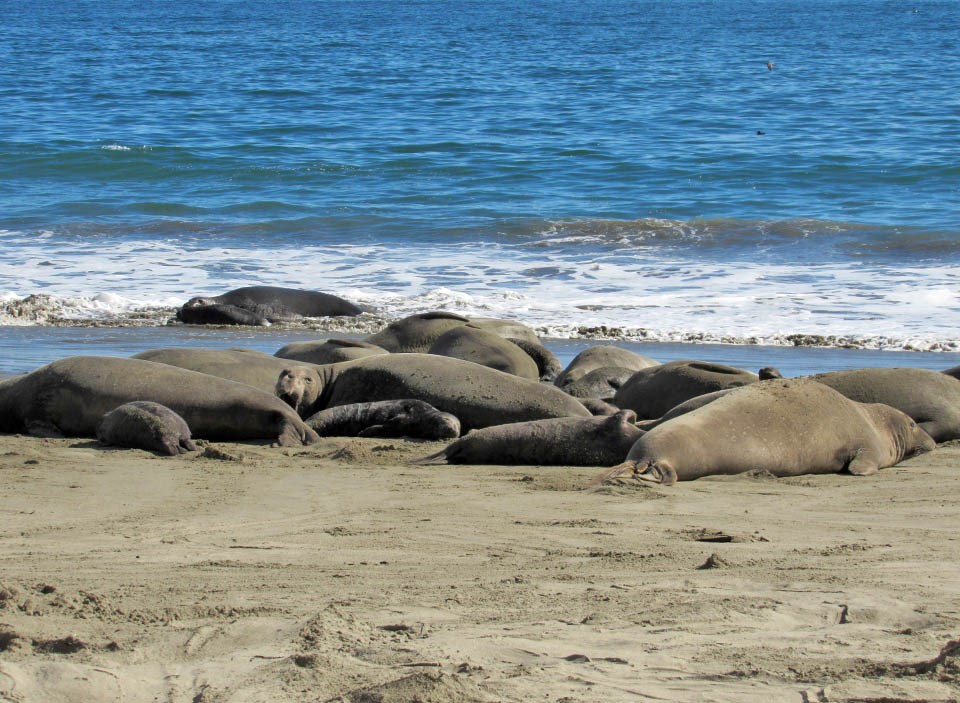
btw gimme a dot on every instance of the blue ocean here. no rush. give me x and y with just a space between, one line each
708 171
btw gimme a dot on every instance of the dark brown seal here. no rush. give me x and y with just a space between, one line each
143 424
254 305
385 418
564 441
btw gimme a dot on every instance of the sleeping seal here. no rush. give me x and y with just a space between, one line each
562 441
787 427
385 418
265 303
69 396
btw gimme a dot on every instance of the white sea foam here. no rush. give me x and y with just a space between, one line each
569 294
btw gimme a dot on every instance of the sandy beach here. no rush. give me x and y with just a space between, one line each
344 572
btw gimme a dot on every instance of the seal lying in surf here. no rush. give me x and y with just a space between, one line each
266 304
143 424
475 394
564 441
786 427
385 418
71 395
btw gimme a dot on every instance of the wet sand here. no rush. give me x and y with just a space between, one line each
343 572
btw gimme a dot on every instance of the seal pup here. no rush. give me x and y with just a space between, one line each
68 397
787 427
416 333
385 418
270 303
143 424
564 441
478 396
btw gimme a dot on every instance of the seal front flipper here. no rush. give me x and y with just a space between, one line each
651 471
864 463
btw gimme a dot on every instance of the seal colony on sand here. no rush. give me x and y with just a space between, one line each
69 397
786 427
262 305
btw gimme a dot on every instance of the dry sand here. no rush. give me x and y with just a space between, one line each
340 572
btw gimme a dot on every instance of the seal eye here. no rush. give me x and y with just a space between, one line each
308 380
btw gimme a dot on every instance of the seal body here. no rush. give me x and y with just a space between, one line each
143 424
485 348
71 395
216 314
416 333
564 441
931 398
477 395
602 356
328 351
653 391
786 427
385 418
242 365
268 303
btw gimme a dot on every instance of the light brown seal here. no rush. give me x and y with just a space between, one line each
930 397
486 348
653 391
786 427
254 368
602 356
69 396
477 395
143 424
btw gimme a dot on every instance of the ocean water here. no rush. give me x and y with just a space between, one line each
632 170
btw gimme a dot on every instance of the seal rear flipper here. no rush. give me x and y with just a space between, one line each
438 458
294 435
43 428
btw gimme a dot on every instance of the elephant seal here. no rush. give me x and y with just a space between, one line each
930 397
385 418
653 391
602 356
787 427
475 394
71 395
547 362
143 424
328 351
601 383
215 314
487 349
416 333
254 368
271 303
563 441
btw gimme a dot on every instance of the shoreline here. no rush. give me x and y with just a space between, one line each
26 347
